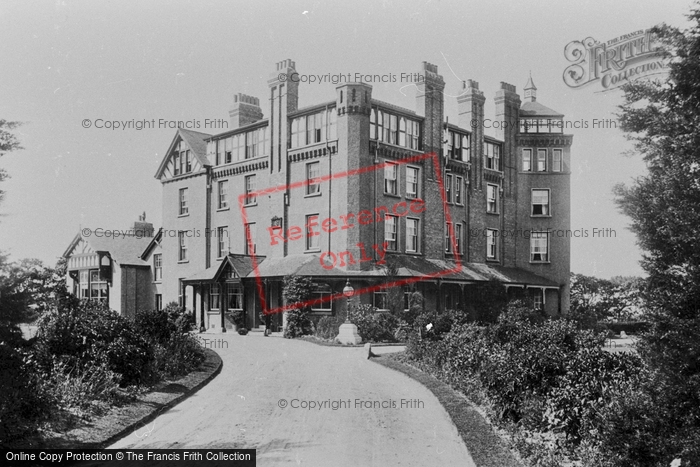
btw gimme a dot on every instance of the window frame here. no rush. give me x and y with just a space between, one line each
395 180
496 193
557 166
157 267
416 236
546 208
250 230
312 242
533 246
214 292
234 290
184 209
448 188
491 244
416 194
458 239
544 168
309 187
249 187
221 245
222 195
323 289
529 159
391 220
459 181
448 238
182 246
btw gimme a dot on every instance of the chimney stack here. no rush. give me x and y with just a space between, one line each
246 110
143 228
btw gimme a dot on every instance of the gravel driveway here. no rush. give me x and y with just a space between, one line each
277 396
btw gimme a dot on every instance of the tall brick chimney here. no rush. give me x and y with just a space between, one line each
143 228
430 103
246 110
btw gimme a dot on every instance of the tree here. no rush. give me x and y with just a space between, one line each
8 143
662 118
297 293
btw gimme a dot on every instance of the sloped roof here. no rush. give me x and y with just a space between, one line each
205 275
535 109
407 266
126 250
242 264
197 143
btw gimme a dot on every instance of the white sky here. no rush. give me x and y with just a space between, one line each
65 61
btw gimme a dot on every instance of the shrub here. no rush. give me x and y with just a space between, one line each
297 290
328 327
373 326
578 396
177 356
73 387
23 403
90 333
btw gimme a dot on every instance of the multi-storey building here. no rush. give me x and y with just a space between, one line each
330 190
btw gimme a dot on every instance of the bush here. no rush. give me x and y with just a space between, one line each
543 374
297 291
90 333
177 356
328 327
578 396
72 387
374 326
23 403
176 352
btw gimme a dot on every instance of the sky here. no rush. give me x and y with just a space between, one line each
67 61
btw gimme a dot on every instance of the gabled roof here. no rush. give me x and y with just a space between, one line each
197 144
126 250
241 264
535 109
154 241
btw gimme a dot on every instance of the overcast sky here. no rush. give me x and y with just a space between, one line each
66 61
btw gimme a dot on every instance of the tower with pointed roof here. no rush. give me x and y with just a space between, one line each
544 190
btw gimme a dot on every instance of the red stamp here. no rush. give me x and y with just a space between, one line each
329 260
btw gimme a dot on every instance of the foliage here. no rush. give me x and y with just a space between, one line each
238 318
297 292
580 392
372 325
328 327
433 325
175 351
77 387
89 333
23 403
541 374
415 308
487 301
594 300
8 143
663 121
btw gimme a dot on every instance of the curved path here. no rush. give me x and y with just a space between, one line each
241 408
